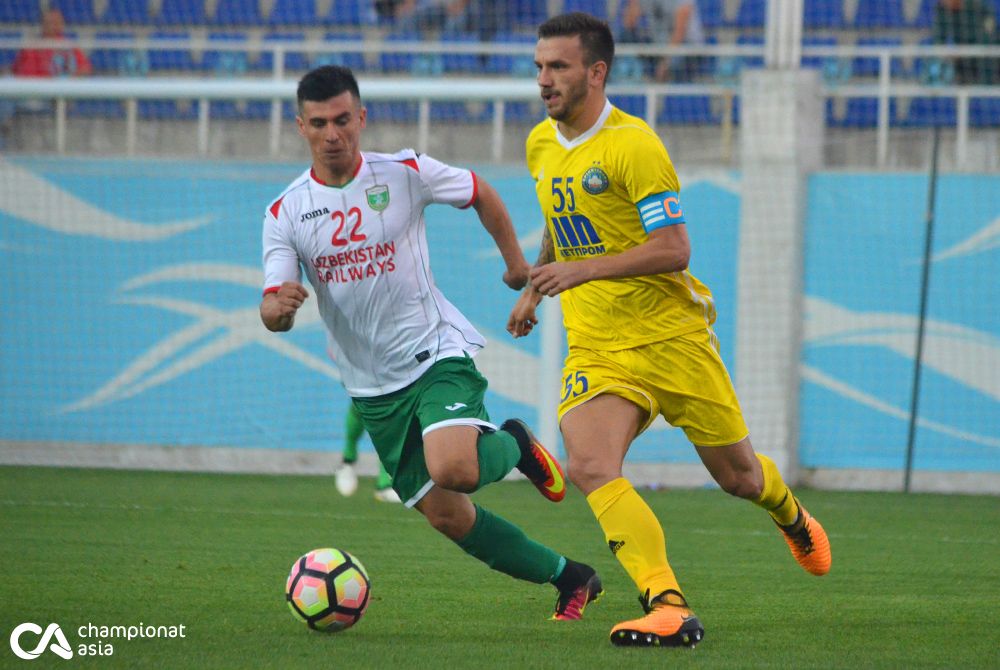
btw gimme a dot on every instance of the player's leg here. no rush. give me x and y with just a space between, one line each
745 474
383 486
346 477
597 435
506 548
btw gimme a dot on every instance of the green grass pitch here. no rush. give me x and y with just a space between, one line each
915 580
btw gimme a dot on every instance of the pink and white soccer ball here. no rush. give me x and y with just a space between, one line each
328 589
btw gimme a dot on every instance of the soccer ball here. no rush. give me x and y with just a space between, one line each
328 589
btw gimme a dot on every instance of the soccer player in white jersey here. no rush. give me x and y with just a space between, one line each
354 224
638 323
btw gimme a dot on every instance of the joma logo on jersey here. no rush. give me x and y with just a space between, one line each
313 214
576 236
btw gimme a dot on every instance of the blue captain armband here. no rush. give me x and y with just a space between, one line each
659 210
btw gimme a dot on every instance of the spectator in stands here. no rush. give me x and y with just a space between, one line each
51 62
965 22
449 16
652 21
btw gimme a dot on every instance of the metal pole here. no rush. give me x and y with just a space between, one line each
922 317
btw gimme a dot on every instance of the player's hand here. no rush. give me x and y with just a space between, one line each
517 277
522 318
553 278
290 296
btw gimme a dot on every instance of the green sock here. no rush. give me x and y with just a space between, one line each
353 429
384 480
504 547
498 454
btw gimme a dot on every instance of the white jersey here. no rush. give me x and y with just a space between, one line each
364 250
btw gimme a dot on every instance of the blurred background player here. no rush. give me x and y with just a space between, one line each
967 23
346 477
638 325
354 223
671 22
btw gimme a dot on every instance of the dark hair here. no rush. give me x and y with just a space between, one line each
326 82
595 35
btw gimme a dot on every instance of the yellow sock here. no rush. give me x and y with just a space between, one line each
634 536
776 497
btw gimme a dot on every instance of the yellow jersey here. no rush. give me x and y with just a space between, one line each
600 194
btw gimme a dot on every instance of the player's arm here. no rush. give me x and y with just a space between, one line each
278 307
496 220
667 249
522 317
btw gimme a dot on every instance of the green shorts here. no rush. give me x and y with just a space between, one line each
450 393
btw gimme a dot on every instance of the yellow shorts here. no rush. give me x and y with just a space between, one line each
682 378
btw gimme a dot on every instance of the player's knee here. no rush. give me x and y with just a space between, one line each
588 474
455 478
742 485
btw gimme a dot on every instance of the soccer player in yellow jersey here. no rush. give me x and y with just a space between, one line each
616 249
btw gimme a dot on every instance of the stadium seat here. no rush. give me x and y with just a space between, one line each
823 14
925 112
525 14
513 65
7 56
751 14
630 104
712 13
984 112
863 113
687 109
181 13
868 66
398 61
76 12
461 62
817 41
293 13
751 40
394 112
237 13
598 8
167 110
294 60
350 14
110 61
225 63
879 14
239 109
925 14
20 11
170 59
352 59
96 109
126 13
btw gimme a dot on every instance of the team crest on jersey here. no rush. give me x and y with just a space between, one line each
378 197
595 181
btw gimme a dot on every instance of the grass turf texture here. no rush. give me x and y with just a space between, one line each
915 579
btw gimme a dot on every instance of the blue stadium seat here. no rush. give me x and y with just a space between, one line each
687 109
879 14
712 13
20 11
293 13
464 62
868 66
925 14
823 14
181 13
294 60
984 112
351 14
126 13
863 113
165 110
525 14
237 13
453 111
598 8
751 14
751 40
226 63
396 112
110 61
96 109
398 61
352 59
925 112
171 59
7 56
521 65
76 12
817 41
630 104
239 109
